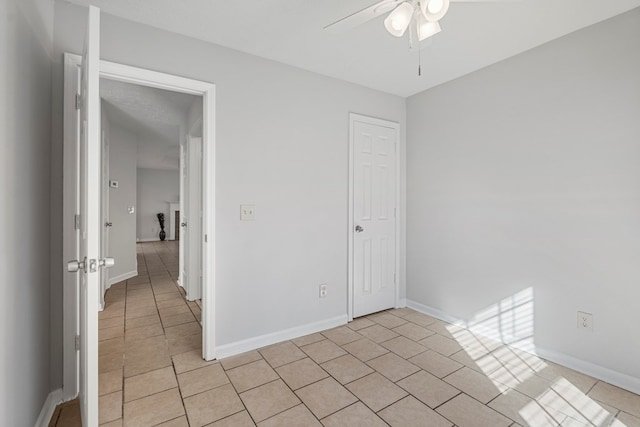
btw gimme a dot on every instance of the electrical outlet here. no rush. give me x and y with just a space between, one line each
247 212
322 290
585 321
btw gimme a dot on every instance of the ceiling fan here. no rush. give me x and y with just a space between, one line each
422 16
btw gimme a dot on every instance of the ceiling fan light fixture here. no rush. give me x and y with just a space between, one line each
434 10
398 21
427 29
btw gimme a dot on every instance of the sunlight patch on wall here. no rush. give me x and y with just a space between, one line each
509 321
500 341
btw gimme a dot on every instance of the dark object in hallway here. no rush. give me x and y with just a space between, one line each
160 216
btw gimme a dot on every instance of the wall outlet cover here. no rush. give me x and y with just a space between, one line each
247 212
322 290
585 321
113 183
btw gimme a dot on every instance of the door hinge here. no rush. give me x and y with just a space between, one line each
78 101
394 278
77 342
76 221
205 238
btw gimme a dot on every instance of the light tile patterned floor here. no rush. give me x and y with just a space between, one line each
398 368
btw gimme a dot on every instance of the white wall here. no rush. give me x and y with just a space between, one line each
281 144
156 189
525 175
122 234
26 376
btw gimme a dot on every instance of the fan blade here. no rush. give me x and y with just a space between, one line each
362 16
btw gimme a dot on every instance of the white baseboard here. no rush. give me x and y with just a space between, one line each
53 399
475 328
616 378
238 347
432 312
610 376
147 239
121 277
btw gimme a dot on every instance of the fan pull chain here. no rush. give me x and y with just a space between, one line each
411 36
419 61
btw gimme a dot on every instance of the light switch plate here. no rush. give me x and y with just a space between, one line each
247 212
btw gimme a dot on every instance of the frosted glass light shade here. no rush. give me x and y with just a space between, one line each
426 28
398 21
434 10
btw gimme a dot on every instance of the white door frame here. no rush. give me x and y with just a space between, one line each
139 76
173 207
350 230
183 188
104 214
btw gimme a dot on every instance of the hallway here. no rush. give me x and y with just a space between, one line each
146 327
144 324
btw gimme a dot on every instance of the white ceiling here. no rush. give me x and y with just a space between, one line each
157 117
473 35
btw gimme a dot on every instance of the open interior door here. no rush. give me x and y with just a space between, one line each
184 207
191 236
88 264
194 219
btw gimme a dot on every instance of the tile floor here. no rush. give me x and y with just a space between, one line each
397 368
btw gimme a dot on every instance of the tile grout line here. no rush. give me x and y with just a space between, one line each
287 385
148 278
355 403
124 341
238 394
182 398
294 391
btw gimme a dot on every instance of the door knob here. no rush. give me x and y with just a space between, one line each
183 224
75 266
107 262
359 229
108 224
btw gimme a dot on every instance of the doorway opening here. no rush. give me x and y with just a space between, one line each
150 276
152 165
149 183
